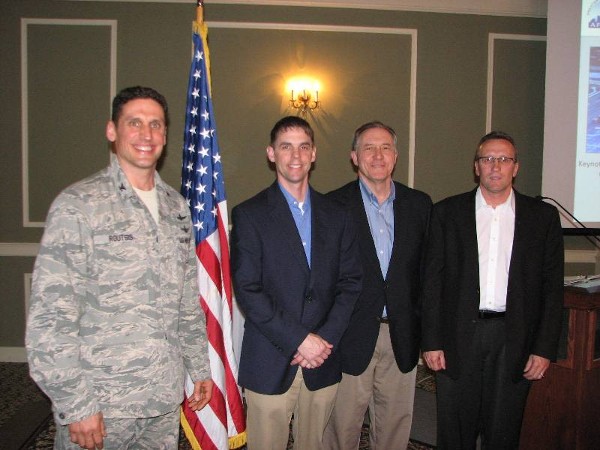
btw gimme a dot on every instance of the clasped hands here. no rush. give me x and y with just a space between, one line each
313 352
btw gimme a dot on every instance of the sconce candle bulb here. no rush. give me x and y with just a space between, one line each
304 98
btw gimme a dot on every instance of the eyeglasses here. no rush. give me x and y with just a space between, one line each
491 160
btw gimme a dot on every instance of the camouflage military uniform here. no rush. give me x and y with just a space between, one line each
115 312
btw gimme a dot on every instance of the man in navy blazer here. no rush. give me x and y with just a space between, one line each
380 348
296 275
492 304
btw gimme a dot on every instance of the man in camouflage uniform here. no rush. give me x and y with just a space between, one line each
115 314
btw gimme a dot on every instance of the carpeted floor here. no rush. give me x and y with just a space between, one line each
26 422
44 440
23 407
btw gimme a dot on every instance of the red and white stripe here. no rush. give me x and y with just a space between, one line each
221 424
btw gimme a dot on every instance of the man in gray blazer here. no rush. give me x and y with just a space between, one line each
115 314
380 348
492 303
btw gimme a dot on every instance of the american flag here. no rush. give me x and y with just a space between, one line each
221 424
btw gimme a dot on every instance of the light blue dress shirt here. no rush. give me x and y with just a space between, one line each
302 213
381 223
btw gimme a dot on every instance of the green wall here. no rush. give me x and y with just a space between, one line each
364 59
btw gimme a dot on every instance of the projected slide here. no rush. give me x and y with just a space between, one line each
587 172
593 122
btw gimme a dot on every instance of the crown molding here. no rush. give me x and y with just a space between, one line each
517 8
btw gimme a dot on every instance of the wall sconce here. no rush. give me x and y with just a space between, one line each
304 94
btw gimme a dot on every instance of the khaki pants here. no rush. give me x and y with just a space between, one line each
269 416
387 393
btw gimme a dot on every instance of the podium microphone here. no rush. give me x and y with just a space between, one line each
588 231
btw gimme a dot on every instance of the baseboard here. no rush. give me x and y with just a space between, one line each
13 354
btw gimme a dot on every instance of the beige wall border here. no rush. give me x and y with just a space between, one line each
354 29
23 249
25 23
13 354
582 256
29 249
27 277
492 38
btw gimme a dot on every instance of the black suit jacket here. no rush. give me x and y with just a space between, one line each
399 291
535 282
283 300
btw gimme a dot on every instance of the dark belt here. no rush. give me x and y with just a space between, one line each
491 314
384 320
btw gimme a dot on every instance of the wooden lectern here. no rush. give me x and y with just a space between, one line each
563 409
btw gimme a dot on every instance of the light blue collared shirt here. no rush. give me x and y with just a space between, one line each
381 223
302 213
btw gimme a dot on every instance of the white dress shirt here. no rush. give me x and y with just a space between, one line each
495 232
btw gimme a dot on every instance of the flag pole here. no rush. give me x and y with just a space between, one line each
202 31
220 425
200 11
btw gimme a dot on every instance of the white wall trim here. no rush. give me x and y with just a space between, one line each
520 8
13 354
25 23
492 38
355 29
309 27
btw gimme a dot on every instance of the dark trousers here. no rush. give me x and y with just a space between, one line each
484 399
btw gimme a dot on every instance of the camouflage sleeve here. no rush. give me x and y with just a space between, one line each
192 322
57 300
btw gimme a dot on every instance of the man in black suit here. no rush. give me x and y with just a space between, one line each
492 304
380 348
296 275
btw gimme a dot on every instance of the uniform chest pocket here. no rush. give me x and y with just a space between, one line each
120 254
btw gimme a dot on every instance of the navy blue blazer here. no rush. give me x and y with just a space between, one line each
399 291
534 296
282 299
